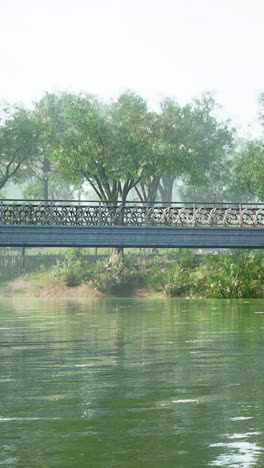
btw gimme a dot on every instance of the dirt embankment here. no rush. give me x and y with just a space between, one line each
28 288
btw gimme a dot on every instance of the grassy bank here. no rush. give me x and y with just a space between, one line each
170 273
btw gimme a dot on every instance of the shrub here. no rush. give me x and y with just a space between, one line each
120 278
235 274
185 258
157 273
74 268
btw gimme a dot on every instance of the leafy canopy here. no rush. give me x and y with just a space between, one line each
17 143
108 146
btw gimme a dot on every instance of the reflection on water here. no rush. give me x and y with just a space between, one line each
131 383
240 453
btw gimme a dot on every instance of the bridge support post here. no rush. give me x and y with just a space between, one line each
100 214
240 215
147 214
194 215
51 213
2 212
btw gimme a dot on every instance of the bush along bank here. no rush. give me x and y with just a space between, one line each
168 273
173 273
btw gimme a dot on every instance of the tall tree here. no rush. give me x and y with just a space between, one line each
247 183
193 148
44 181
17 143
209 144
106 146
167 159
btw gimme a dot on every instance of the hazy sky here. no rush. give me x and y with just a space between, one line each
179 48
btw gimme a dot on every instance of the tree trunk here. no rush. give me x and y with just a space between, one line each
45 188
166 188
148 191
46 169
116 256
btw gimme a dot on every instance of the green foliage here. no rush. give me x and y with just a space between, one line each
17 143
183 257
157 273
234 275
106 146
173 274
184 273
73 268
121 278
193 147
211 143
55 190
248 172
13 265
70 139
180 282
43 180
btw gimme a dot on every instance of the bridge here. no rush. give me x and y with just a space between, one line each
60 223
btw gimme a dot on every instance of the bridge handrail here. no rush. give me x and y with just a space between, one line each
97 213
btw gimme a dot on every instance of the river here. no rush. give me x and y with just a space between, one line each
131 383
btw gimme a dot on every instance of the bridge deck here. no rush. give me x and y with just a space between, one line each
120 236
93 224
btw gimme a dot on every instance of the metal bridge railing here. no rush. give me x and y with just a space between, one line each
105 213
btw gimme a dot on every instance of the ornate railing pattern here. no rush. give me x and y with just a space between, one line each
90 213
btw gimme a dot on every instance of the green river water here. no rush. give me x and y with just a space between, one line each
131 383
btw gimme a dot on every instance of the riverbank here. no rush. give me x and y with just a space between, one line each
25 287
185 274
